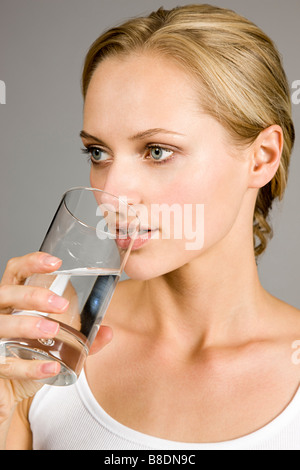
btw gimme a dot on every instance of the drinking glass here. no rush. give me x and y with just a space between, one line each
92 232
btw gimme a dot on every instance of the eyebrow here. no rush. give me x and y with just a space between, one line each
86 135
152 132
139 136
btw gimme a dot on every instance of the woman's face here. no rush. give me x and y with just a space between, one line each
150 142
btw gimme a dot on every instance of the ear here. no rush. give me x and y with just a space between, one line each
265 156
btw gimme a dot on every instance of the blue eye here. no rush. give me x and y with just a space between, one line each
160 154
96 153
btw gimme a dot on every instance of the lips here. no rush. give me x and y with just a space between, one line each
143 236
124 231
144 230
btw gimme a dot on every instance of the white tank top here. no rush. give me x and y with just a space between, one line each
70 418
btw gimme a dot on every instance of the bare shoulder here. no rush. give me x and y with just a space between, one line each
287 319
291 330
284 331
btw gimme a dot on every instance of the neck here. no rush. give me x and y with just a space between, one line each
216 299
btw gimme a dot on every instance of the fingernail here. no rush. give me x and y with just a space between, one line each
50 368
48 327
49 260
58 302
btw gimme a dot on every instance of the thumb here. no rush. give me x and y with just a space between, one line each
104 336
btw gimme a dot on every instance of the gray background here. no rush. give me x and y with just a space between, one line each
42 48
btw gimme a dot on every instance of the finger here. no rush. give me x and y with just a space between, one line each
18 269
31 298
25 326
104 337
14 368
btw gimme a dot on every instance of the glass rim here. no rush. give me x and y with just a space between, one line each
91 189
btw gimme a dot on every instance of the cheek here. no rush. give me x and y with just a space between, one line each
97 179
213 193
221 200
222 194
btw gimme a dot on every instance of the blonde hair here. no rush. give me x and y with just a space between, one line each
241 79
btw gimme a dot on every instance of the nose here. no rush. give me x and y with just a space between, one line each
120 216
122 181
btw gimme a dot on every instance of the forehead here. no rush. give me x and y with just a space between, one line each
140 87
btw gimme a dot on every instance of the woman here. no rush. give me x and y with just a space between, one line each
188 106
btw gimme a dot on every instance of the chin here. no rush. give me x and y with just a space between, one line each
146 264
141 271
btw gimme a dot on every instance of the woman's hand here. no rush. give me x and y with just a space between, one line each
18 377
